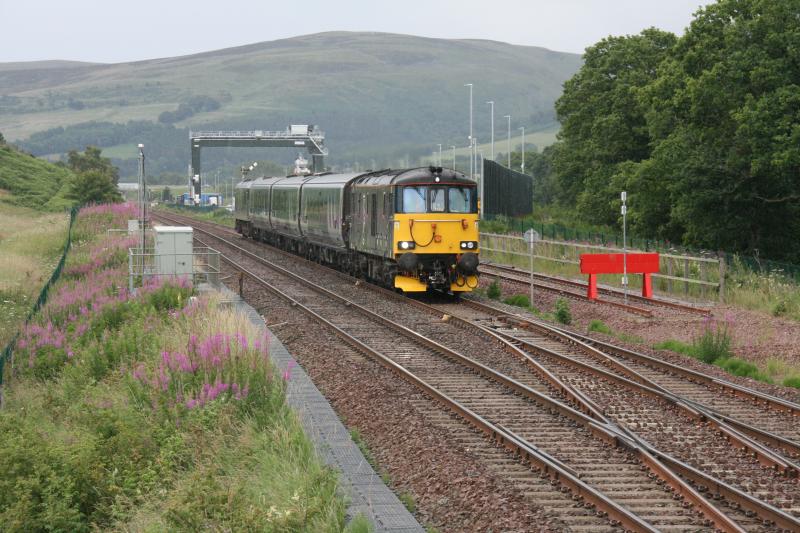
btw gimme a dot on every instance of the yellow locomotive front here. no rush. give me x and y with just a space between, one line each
435 232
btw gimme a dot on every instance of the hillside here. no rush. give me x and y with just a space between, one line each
376 95
32 182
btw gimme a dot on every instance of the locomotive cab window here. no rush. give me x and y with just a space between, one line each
462 200
415 200
438 199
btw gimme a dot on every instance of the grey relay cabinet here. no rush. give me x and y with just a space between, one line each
173 250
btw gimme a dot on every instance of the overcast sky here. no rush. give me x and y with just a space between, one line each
114 31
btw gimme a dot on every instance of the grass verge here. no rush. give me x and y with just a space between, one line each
31 243
153 411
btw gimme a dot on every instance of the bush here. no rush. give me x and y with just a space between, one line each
713 343
494 291
792 382
519 300
562 312
676 346
740 367
779 308
600 327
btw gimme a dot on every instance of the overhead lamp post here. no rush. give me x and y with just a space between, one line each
491 104
522 166
471 139
509 140
480 189
440 155
454 156
624 198
142 198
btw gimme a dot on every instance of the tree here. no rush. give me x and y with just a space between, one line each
2 140
93 186
91 159
724 118
603 122
166 195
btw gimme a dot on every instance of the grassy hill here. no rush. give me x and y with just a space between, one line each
32 182
377 95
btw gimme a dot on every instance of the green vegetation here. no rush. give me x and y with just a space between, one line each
713 346
150 412
407 499
494 292
33 182
218 215
95 180
31 243
700 130
600 327
562 312
366 95
519 300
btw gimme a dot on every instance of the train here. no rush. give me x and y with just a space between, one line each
413 229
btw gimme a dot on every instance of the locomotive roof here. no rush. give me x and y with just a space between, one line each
416 176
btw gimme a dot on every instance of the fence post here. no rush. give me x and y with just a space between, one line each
669 273
704 277
721 256
686 275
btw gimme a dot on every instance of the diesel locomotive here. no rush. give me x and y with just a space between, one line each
413 229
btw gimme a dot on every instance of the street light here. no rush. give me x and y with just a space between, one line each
522 166
440 155
142 197
509 140
454 156
480 188
624 198
471 140
491 104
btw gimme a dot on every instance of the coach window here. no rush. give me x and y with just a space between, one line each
438 197
415 199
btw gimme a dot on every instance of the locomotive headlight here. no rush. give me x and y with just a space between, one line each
469 245
405 245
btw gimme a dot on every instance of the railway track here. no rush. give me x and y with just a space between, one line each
492 403
557 285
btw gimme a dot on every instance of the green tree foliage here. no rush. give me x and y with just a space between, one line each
603 123
703 131
724 115
166 195
95 177
92 159
93 186
2 139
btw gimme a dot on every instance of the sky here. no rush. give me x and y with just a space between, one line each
112 31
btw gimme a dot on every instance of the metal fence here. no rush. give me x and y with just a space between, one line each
43 295
505 191
200 266
558 232
700 277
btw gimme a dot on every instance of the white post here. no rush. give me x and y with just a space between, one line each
142 197
491 104
531 296
440 155
509 140
471 152
522 166
624 197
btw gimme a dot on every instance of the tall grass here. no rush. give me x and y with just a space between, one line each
154 411
31 243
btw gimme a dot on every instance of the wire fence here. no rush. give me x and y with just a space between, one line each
43 294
